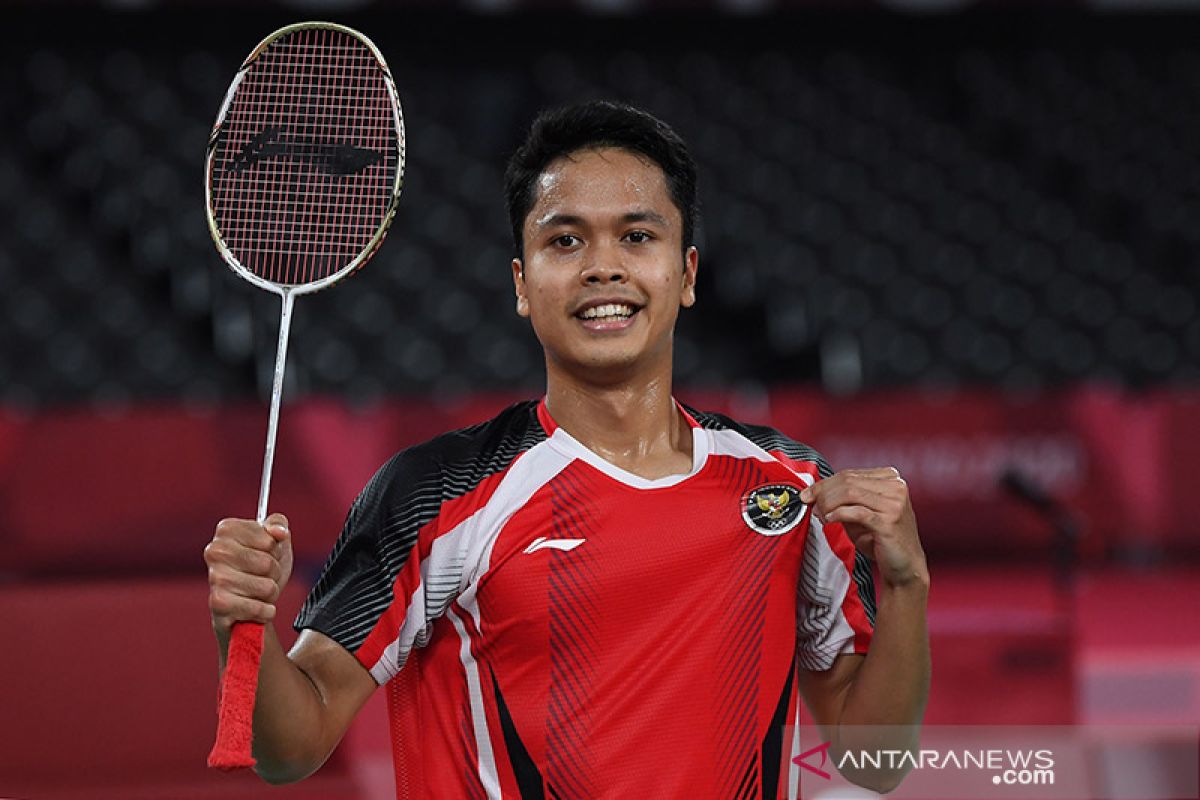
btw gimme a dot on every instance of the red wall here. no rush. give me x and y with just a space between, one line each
139 491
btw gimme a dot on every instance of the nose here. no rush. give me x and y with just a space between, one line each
604 266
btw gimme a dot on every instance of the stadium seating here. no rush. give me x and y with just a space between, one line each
1013 216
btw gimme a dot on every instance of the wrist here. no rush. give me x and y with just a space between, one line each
914 581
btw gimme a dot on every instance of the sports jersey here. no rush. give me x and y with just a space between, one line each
551 625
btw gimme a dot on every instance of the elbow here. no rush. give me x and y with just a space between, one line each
886 783
274 778
279 776
878 781
279 772
881 781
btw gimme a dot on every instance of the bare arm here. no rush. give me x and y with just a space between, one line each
306 698
877 701
306 702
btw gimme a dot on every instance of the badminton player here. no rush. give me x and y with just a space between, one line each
601 592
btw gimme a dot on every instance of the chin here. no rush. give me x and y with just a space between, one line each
609 365
592 365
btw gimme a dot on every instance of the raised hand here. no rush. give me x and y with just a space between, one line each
873 505
248 566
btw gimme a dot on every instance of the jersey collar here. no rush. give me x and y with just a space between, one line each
572 447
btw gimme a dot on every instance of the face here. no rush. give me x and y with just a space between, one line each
604 274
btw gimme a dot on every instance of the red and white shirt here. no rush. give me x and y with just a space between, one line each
552 626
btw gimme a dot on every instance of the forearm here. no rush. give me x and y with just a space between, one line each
885 703
291 738
892 686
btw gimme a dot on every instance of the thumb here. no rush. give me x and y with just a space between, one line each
277 525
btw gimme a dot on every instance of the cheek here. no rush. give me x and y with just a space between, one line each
544 299
669 281
541 295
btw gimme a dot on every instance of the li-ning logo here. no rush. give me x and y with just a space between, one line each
542 542
773 509
335 159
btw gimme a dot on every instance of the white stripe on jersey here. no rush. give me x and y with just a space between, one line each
460 556
727 442
489 776
572 448
443 567
833 634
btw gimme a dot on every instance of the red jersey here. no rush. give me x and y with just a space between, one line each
550 625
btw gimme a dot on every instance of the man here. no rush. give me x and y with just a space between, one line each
601 594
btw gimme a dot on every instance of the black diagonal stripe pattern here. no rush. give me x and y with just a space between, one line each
355 585
573 606
747 787
864 579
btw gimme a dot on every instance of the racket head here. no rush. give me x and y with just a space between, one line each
305 162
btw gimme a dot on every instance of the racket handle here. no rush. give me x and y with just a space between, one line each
235 707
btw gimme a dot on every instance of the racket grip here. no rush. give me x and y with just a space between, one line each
235 706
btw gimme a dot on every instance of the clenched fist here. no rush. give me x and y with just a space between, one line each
248 566
873 506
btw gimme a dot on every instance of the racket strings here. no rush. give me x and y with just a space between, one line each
308 159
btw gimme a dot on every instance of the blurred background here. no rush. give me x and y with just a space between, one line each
955 237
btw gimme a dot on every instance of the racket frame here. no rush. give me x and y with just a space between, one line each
214 139
288 292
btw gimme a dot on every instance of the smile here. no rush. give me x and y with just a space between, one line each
608 316
611 312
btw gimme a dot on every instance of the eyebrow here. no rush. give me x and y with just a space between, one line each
555 220
646 216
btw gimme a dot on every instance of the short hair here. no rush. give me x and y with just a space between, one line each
595 124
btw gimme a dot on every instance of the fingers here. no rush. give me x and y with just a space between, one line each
232 557
882 473
880 490
244 532
227 609
248 565
855 515
277 526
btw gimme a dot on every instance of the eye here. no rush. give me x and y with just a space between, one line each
566 240
638 237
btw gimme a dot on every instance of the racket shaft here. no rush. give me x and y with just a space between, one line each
285 324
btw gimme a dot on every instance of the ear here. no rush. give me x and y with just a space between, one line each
518 270
691 260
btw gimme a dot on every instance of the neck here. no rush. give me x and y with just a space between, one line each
634 425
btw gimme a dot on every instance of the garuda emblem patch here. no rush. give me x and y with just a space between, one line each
773 509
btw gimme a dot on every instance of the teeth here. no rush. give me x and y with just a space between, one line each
610 310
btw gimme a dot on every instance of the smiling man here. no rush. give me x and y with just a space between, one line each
602 593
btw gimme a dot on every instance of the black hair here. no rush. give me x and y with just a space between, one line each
594 124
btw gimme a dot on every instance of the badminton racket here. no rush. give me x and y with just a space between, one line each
303 174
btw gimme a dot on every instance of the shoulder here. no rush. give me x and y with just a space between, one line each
766 438
466 456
